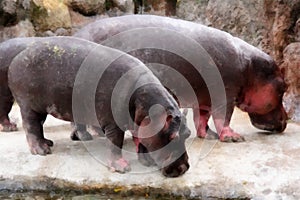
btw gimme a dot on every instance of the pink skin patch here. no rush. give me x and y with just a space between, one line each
120 165
136 142
201 122
7 126
201 132
260 99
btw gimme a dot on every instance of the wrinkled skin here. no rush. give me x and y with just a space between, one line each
253 82
42 79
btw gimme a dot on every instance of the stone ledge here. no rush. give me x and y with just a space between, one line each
263 167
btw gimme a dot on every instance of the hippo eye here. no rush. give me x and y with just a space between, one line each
269 106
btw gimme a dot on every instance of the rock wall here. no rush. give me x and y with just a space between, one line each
271 25
291 64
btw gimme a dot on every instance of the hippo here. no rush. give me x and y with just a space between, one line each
8 50
78 81
252 81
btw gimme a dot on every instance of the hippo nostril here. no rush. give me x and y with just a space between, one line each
175 172
183 168
281 128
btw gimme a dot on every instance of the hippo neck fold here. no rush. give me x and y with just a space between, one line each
142 101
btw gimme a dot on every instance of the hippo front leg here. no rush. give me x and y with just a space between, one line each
201 118
33 125
143 153
226 134
6 102
79 132
115 138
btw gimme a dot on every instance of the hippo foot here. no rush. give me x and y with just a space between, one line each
8 127
145 159
208 134
81 135
121 165
228 135
41 147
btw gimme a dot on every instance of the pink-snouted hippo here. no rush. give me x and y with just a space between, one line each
252 80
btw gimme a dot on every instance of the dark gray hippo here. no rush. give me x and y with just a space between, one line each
8 50
77 80
252 80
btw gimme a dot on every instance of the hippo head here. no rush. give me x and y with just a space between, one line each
167 145
274 120
263 97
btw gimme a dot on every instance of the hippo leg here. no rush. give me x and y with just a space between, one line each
33 125
6 102
97 130
201 118
226 134
143 154
116 138
79 132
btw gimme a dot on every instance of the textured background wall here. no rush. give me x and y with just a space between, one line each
271 25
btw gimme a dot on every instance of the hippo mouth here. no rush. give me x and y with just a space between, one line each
175 172
177 168
268 124
271 128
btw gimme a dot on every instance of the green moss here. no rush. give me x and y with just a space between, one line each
37 14
108 4
58 51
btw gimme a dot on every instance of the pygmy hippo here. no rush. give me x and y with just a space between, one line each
252 81
8 50
77 80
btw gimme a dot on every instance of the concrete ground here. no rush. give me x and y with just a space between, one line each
263 167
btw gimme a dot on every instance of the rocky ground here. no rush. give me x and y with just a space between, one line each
263 167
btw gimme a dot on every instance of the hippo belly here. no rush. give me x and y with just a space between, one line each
50 78
251 79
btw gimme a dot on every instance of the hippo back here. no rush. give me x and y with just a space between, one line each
58 62
218 44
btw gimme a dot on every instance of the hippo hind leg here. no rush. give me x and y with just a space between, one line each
6 102
33 125
201 118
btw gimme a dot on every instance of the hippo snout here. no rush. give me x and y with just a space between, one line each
275 121
283 121
175 172
279 128
177 168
